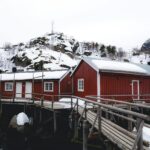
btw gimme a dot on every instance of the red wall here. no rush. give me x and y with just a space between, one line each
121 84
6 94
90 80
36 88
66 85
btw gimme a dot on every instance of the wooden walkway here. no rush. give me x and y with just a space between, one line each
124 139
116 134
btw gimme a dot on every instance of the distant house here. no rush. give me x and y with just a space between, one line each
111 79
34 84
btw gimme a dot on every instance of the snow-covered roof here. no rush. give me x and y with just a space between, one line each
58 74
116 66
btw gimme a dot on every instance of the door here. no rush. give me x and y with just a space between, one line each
18 89
135 89
28 90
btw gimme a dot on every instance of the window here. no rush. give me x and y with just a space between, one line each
8 86
48 86
81 85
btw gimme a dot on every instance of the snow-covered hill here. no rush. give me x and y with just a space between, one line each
51 51
56 51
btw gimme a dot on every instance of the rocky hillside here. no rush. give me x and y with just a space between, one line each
51 51
57 51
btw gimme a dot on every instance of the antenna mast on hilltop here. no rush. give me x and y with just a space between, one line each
52 23
52 37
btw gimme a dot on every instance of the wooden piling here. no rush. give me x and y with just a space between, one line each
54 121
40 119
75 126
140 124
85 134
1 108
99 113
129 122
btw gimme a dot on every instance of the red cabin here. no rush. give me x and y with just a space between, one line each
111 79
34 84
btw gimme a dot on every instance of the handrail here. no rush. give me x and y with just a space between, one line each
118 101
124 95
128 112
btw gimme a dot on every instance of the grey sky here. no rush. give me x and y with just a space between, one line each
123 23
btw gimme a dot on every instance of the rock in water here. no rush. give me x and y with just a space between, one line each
22 118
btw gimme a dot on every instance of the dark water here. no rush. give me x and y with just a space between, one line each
40 136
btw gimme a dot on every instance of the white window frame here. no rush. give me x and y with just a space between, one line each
50 90
81 87
138 88
10 83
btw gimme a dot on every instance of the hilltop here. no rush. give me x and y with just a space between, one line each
58 51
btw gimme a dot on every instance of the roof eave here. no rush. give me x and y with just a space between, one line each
123 72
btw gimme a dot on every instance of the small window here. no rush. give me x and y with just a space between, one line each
81 85
48 86
8 86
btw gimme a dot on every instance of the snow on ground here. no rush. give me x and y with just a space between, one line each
54 58
146 134
5 60
74 101
140 59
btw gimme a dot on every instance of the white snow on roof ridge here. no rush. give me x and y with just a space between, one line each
34 75
117 66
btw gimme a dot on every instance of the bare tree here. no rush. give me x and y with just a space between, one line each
121 53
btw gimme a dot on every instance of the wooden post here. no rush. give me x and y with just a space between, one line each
140 124
14 88
52 102
71 103
24 108
129 122
34 116
85 110
109 145
77 105
70 122
139 138
106 115
54 121
40 119
33 88
42 101
0 108
99 113
85 134
76 126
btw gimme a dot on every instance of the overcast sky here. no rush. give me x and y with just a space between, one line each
123 23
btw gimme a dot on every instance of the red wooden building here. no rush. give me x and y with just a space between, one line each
111 79
33 84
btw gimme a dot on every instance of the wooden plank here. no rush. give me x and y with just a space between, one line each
115 132
119 135
124 137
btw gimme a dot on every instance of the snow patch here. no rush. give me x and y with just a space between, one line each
22 118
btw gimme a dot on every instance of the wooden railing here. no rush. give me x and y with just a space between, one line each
98 120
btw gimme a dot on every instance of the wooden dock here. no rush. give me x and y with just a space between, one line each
93 113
